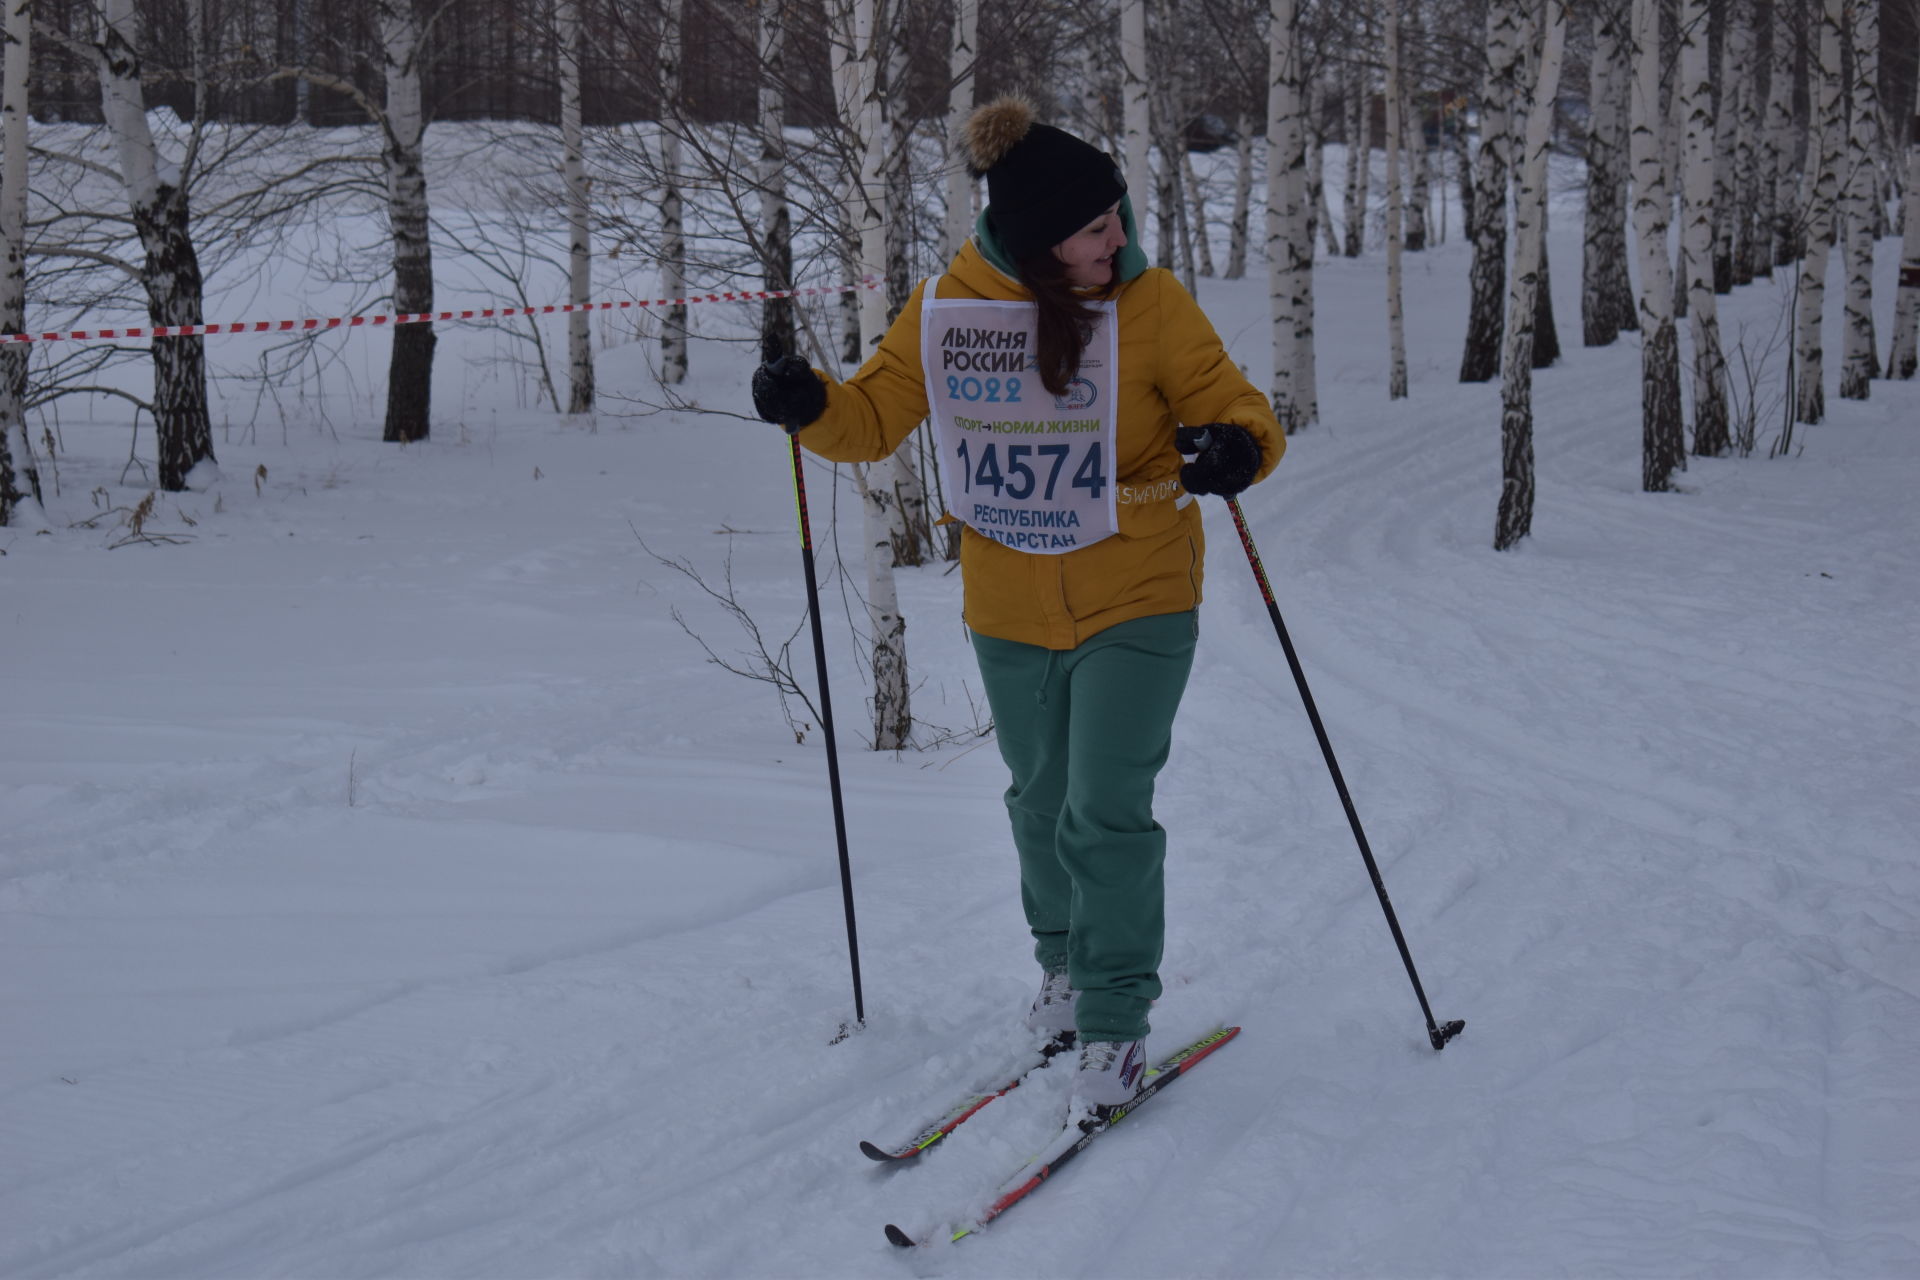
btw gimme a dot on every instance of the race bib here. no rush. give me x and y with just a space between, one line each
1029 469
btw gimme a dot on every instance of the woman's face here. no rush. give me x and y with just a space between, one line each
1088 253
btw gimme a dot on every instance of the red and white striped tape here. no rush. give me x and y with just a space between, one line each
417 317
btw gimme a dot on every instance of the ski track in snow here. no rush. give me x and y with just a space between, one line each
553 995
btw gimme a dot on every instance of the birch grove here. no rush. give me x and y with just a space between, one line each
1694 98
1662 432
1701 119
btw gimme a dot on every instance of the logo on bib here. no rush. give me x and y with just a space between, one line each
1080 395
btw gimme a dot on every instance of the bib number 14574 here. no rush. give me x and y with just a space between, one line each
1021 471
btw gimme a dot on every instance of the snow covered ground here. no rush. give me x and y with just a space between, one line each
390 887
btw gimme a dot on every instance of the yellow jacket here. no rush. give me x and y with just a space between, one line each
1173 371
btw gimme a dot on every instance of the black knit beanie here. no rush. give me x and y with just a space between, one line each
1043 184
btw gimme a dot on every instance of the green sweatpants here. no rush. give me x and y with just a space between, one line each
1084 732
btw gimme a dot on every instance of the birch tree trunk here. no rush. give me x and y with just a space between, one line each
1745 194
19 478
673 232
1784 201
1359 156
1238 228
1514 520
864 118
1170 252
897 164
912 530
1905 353
1694 101
1196 205
1830 126
573 165
777 330
1319 214
1480 361
1136 90
960 101
1413 137
1606 294
170 271
1396 323
1663 446
1288 238
1860 358
1723 91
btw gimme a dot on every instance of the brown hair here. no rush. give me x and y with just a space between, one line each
1065 322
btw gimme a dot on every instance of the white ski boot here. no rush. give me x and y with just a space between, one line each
1110 1074
1052 1011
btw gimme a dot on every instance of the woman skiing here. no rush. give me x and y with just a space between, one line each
1058 370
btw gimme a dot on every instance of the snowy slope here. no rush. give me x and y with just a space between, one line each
391 888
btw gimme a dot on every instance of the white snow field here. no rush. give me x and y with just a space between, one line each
392 889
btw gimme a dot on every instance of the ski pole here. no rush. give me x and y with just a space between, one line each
826 726
1437 1035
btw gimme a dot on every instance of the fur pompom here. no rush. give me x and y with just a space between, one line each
993 130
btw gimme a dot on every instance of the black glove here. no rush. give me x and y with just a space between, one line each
786 390
1228 457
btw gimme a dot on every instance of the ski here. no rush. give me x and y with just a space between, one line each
968 1107
1076 1137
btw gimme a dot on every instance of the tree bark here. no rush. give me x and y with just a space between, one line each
1514 519
1904 355
1860 346
960 101
1480 360
1239 227
1606 293
1396 322
1359 156
864 117
1413 138
1784 201
1135 95
777 330
1286 221
1822 210
580 393
170 270
1662 431
19 478
410 367
1694 101
1742 84
673 239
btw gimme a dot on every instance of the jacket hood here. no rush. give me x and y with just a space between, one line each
1128 263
